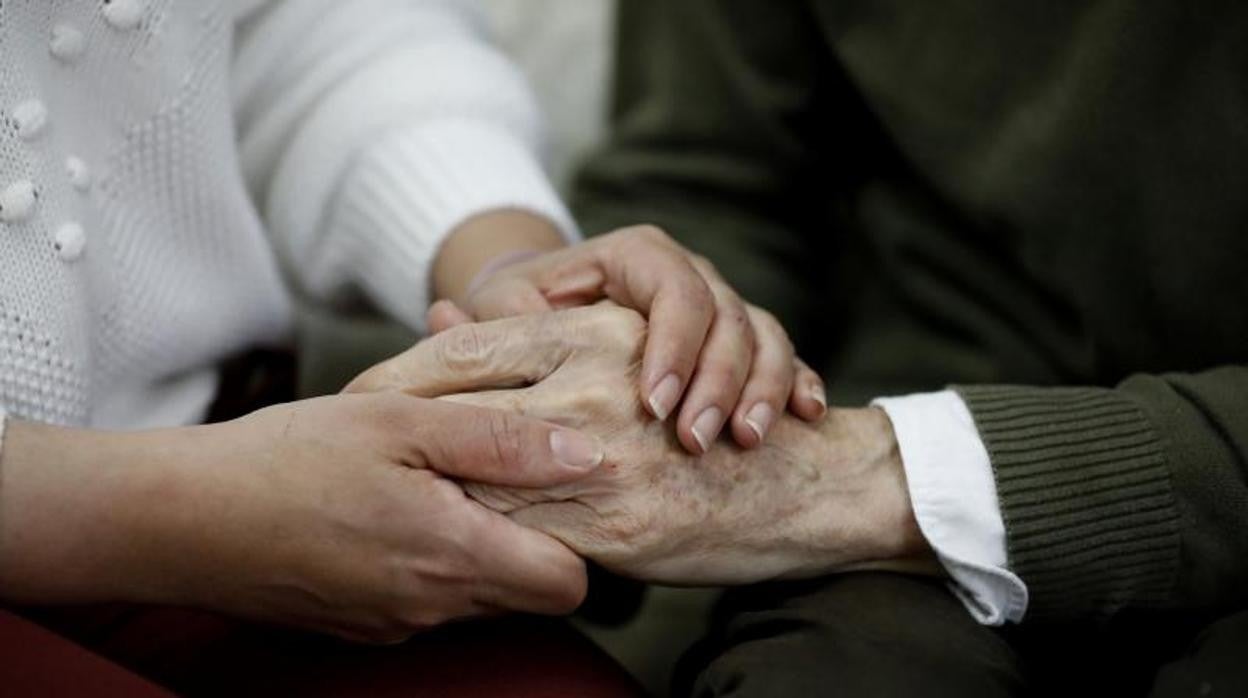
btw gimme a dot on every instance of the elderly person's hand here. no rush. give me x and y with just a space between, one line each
732 362
815 499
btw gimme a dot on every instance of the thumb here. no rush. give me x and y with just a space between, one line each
500 448
444 315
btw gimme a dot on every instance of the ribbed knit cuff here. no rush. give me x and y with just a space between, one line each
1090 516
410 190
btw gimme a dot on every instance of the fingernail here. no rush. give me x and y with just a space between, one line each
575 450
818 395
706 427
664 397
759 418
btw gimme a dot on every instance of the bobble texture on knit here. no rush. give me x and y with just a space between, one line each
169 168
131 256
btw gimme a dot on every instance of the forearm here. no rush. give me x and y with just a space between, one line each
823 498
857 447
79 513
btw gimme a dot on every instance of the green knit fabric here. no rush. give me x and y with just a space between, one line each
1086 496
985 193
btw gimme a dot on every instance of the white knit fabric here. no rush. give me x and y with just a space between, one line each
140 137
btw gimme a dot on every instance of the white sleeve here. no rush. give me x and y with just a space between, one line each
370 129
954 495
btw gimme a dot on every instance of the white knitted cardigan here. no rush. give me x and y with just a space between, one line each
169 168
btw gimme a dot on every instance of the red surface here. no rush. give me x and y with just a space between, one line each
35 662
200 654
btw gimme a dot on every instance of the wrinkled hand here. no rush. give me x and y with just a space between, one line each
732 362
815 499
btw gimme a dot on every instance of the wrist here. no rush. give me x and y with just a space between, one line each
483 241
497 264
868 523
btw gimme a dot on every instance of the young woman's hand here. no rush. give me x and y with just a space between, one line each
732 363
338 514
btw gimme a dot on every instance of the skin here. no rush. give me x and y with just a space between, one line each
344 514
818 498
339 515
481 239
731 363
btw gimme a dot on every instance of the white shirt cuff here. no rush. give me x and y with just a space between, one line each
954 496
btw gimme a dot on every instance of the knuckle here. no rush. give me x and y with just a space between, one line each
542 325
768 325
732 342
618 327
622 317
462 348
389 375
649 232
707 269
506 438
624 527
808 373
770 375
734 316
595 400
722 376
366 382
627 535
772 389
702 264
765 318
443 495
632 528
698 293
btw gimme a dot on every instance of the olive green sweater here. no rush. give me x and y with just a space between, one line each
1045 204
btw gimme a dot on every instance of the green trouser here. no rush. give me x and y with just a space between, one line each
877 634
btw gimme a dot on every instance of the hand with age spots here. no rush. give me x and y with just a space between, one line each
816 498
